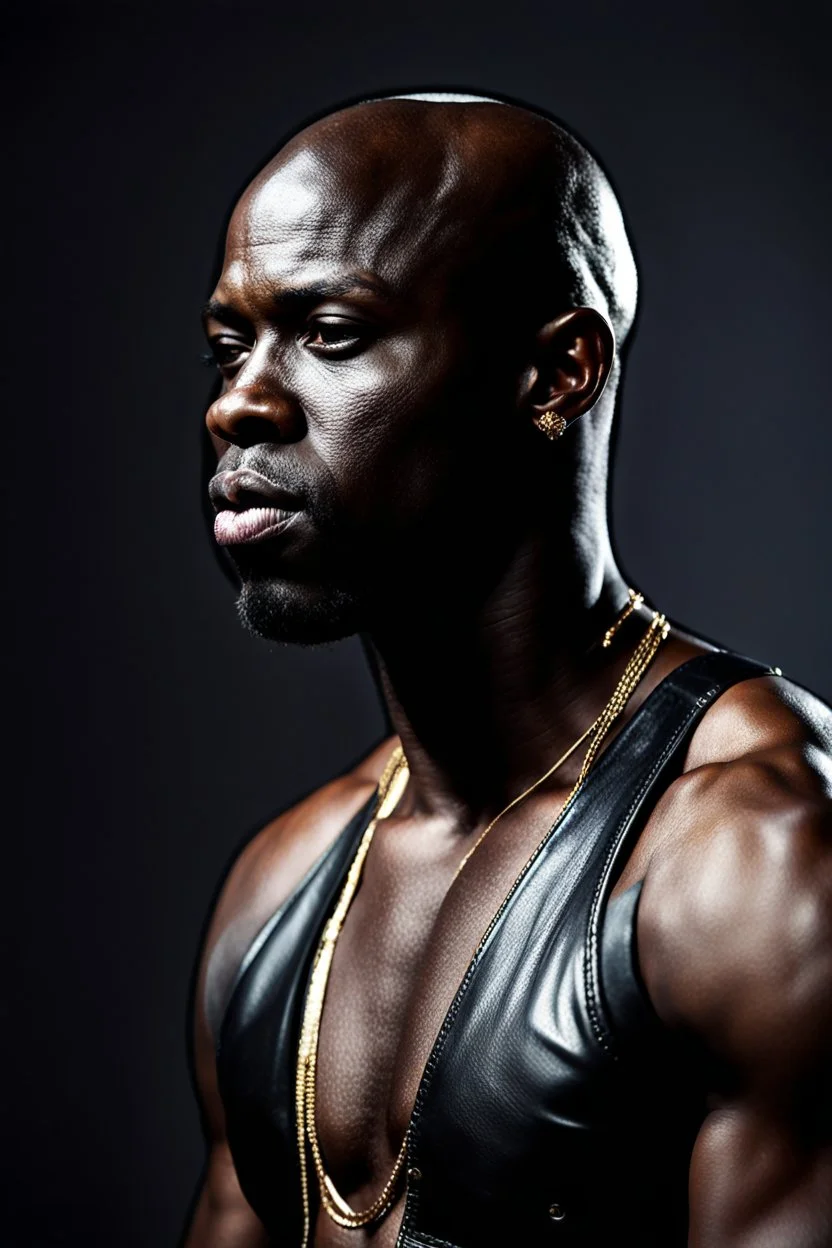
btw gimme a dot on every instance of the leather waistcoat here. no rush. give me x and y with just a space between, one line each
554 1108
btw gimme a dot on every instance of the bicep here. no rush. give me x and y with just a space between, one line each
222 1217
735 942
762 1178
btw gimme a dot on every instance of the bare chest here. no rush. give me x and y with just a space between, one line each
408 939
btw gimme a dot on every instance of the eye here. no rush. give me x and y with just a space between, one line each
334 335
226 354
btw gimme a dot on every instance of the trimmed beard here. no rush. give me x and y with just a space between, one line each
293 614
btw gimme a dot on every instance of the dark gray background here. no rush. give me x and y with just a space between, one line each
145 733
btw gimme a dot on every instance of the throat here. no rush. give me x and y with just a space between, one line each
483 711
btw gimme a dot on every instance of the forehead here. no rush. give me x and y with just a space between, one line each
393 189
322 207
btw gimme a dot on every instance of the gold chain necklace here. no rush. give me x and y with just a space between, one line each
390 788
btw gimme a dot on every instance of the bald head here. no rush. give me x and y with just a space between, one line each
500 193
414 292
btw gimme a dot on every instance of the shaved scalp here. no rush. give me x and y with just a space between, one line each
581 218
540 205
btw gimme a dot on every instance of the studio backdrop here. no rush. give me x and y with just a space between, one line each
145 734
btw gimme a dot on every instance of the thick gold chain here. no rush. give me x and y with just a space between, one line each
390 788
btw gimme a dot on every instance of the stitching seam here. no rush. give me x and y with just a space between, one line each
602 1032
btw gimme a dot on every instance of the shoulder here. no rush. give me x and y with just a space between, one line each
270 867
764 712
735 923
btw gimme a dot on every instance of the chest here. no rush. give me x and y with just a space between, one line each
494 1055
411 933
508 1099
487 1055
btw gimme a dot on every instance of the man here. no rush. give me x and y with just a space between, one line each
551 965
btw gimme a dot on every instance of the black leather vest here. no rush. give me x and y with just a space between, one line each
554 1109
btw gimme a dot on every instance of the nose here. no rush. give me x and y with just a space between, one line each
248 414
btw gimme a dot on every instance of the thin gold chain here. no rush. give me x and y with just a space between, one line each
517 800
390 788
636 599
640 660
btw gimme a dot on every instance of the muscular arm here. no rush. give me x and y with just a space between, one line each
735 937
267 871
222 1217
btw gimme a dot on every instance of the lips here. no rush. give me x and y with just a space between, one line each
254 524
250 508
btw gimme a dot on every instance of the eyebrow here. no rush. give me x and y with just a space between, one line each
215 309
293 295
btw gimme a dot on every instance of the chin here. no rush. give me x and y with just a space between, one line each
296 614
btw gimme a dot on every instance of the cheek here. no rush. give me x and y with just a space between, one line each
386 425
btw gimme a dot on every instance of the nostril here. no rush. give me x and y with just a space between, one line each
245 418
243 427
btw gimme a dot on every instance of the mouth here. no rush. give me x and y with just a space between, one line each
252 524
249 507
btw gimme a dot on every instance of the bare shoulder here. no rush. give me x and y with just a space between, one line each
735 922
758 714
269 869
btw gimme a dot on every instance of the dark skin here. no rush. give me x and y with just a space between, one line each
397 397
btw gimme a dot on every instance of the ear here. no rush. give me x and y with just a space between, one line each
573 356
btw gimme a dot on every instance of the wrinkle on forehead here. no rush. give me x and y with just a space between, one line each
401 187
384 199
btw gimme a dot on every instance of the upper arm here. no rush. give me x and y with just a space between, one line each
759 1180
762 1166
735 940
222 1217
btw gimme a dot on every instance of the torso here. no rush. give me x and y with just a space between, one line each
407 942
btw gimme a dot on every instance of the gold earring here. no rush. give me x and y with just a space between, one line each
550 423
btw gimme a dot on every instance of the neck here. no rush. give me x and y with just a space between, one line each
486 696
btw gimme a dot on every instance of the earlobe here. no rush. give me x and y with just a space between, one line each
574 356
550 423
